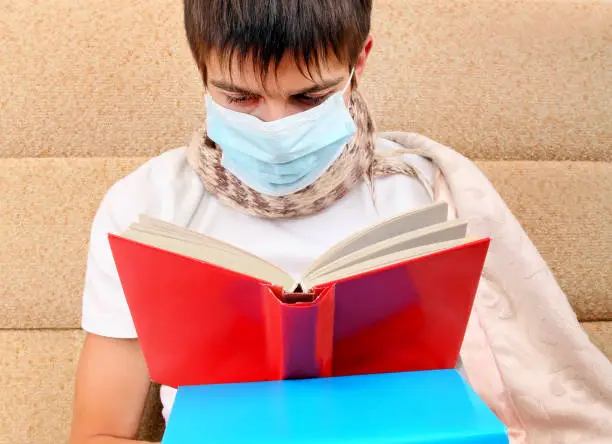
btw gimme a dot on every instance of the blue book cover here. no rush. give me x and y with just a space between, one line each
394 408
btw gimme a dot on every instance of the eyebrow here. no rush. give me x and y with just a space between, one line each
231 88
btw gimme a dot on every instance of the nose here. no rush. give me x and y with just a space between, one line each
271 111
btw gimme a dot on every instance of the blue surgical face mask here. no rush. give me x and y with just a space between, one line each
282 156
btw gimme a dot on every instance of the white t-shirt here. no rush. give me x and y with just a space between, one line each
167 188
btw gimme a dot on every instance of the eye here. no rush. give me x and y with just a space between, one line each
311 100
243 100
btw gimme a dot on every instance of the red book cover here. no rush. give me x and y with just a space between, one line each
201 324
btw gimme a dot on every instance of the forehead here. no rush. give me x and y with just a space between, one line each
289 73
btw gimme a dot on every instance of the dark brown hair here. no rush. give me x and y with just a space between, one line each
310 31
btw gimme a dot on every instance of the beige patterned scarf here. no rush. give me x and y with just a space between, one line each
359 161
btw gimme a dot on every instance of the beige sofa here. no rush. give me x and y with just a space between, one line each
89 90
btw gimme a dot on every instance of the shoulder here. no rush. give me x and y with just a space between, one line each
165 186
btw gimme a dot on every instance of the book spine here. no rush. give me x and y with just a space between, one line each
300 336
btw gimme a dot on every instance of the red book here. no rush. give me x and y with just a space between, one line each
394 297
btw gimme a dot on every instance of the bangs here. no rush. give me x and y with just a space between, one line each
263 32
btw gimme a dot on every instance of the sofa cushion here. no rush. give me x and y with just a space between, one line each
566 209
37 375
48 206
37 378
495 79
601 335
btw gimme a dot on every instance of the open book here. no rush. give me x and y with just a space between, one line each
206 311
409 235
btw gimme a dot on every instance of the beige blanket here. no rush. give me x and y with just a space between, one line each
524 351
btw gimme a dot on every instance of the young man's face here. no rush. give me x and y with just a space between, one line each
284 92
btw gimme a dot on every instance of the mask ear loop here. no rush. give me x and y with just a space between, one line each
348 83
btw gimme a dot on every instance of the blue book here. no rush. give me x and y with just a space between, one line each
394 408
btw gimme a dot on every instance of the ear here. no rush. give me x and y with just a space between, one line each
363 58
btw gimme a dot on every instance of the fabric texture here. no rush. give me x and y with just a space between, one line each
37 377
565 208
524 351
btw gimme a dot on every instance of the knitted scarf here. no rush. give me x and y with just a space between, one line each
358 161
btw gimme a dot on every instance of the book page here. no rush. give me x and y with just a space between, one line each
413 220
382 262
213 251
443 232
159 227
